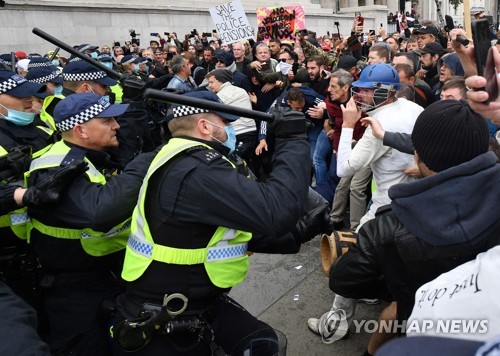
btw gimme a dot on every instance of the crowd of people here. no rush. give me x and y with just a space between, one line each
126 220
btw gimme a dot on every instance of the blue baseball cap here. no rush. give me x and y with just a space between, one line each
15 85
82 71
79 108
127 59
104 57
7 59
180 110
142 60
38 62
44 75
87 47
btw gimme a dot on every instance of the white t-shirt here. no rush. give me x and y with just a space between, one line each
463 303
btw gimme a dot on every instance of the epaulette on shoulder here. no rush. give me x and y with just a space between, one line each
207 156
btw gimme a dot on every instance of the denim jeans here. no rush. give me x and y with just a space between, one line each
325 167
321 156
312 137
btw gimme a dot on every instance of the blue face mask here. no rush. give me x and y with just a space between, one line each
231 137
18 118
106 97
108 64
93 55
135 69
55 62
58 90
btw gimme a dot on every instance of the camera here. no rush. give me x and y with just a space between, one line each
166 33
133 34
206 34
265 66
154 34
336 23
304 32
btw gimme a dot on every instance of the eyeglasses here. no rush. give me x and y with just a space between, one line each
284 59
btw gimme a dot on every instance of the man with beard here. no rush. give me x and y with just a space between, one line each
429 57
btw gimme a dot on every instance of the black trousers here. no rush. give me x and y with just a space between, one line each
77 322
233 328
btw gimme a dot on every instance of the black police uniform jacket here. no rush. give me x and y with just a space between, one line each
189 197
87 205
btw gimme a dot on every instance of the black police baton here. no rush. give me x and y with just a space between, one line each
13 61
111 73
160 95
56 51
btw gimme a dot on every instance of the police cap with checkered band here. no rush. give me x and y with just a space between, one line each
39 62
44 75
180 110
81 71
80 108
15 85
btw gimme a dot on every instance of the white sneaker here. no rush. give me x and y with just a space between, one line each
312 323
332 325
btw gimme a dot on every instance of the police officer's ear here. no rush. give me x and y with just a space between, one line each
87 88
203 127
80 131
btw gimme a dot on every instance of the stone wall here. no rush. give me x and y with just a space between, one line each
104 21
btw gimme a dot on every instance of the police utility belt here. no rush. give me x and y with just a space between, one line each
154 319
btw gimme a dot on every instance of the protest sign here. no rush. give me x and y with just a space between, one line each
231 22
279 22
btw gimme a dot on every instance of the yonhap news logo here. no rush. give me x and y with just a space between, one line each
422 326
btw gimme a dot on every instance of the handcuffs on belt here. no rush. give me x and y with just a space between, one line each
133 335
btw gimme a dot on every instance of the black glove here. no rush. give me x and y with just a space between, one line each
15 163
288 123
132 86
316 220
49 190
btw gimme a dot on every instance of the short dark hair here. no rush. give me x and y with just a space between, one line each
320 61
296 95
208 48
406 69
456 82
292 54
382 51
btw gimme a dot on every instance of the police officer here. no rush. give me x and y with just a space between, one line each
79 240
21 133
19 125
195 220
52 79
